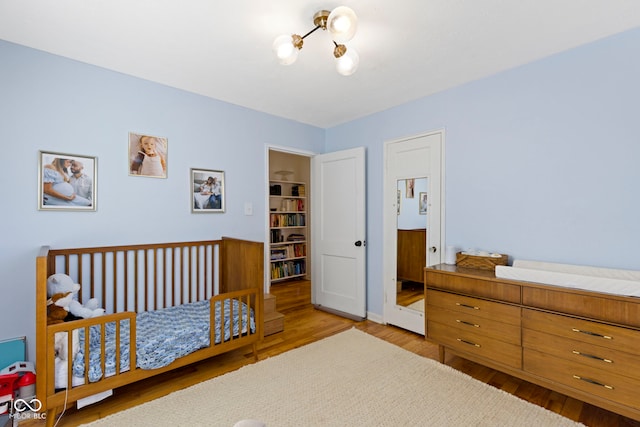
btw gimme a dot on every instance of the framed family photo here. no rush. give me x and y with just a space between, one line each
67 182
422 204
147 155
207 191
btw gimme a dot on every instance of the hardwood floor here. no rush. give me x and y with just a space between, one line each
409 293
304 324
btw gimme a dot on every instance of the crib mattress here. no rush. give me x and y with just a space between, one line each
162 336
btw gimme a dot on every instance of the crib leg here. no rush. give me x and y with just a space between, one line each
52 413
255 351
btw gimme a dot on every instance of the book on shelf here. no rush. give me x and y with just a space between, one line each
286 220
292 205
284 269
298 190
276 236
296 250
280 253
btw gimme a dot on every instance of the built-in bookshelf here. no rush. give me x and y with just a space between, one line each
288 230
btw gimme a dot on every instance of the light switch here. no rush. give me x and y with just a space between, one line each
248 208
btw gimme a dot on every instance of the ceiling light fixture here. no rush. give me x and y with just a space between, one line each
342 24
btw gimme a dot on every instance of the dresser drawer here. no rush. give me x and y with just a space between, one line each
475 343
607 308
603 358
591 380
467 321
473 286
614 337
478 307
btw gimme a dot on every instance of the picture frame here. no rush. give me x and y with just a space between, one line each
67 182
410 186
207 191
422 203
148 155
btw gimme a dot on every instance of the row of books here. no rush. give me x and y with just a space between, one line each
289 251
287 220
283 269
298 190
292 205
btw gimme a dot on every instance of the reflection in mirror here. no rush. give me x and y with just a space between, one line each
412 242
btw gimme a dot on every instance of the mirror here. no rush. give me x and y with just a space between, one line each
412 242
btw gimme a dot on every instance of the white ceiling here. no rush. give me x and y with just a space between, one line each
222 49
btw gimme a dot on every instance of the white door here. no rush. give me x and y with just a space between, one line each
418 158
338 232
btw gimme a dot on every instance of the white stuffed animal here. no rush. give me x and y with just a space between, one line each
63 284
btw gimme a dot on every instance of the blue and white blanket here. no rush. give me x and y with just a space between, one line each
162 336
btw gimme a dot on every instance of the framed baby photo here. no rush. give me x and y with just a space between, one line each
147 155
206 191
67 182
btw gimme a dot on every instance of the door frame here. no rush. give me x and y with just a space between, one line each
267 258
390 250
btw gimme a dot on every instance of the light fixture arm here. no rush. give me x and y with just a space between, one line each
311 32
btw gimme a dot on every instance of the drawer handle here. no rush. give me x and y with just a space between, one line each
467 306
468 323
591 356
468 342
594 382
593 334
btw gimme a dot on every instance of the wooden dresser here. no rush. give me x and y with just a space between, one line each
579 343
412 254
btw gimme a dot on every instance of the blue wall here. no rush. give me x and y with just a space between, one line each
55 104
542 161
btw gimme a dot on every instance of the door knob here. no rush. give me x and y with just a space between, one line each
359 243
433 249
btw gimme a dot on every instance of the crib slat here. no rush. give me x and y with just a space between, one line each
190 273
103 276
115 288
92 281
69 361
117 349
126 281
87 338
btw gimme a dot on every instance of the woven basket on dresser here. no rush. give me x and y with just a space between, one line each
480 262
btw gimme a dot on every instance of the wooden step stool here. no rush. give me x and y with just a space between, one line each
273 321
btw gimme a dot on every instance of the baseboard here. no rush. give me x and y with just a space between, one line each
375 318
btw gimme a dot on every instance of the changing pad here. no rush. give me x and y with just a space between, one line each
606 280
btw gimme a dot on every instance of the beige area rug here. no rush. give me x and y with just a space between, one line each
349 379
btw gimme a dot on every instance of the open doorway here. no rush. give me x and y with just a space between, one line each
289 245
316 230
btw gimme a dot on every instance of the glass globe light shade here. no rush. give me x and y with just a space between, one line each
342 23
347 64
284 49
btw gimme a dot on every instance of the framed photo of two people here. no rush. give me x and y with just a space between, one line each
67 182
207 191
